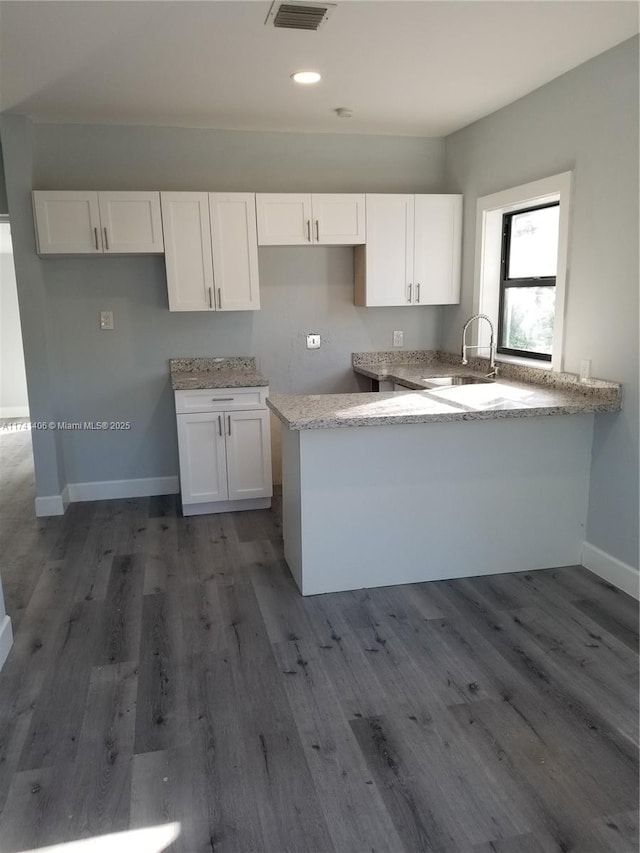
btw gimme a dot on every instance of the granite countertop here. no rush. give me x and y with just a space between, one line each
557 394
188 374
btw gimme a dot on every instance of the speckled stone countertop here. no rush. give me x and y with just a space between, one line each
503 398
188 374
414 368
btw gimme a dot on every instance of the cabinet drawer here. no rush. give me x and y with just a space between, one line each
221 399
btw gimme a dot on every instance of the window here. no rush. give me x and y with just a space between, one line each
528 266
522 237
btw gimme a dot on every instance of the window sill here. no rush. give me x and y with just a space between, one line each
524 362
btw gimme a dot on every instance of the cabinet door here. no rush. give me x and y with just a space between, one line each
386 276
248 455
131 222
67 223
438 233
338 219
284 219
235 251
187 247
203 465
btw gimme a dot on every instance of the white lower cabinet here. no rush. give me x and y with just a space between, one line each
225 450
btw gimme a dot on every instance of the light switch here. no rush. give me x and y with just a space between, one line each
313 341
106 320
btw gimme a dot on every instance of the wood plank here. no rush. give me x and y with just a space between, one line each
415 819
99 793
160 553
59 710
286 614
289 808
97 554
540 778
33 815
156 727
353 808
590 709
120 633
621 625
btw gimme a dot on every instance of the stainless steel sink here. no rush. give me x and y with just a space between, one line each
446 381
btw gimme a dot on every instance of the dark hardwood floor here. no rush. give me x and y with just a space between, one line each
166 670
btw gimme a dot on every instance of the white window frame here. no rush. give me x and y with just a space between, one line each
486 292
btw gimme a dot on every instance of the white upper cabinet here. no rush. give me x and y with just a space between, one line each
384 267
187 249
211 251
338 219
131 222
97 223
235 251
284 219
412 254
437 249
301 219
67 223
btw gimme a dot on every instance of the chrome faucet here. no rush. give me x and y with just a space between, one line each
492 348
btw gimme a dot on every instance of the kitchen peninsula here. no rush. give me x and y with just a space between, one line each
450 481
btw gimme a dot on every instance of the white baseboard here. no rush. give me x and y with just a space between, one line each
14 411
620 574
6 639
212 507
50 505
106 490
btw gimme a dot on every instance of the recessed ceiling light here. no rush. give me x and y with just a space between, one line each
306 77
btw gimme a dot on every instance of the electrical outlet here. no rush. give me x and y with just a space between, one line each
313 341
106 320
398 339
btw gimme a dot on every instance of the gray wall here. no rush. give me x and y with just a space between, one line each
124 374
43 374
4 204
13 380
587 121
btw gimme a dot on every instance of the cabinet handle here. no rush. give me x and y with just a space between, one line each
222 399
106 238
220 424
229 419
210 299
309 230
418 292
317 230
409 299
219 299
95 234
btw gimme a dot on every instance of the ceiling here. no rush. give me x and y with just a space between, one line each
422 67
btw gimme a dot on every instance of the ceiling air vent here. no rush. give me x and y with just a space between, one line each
299 16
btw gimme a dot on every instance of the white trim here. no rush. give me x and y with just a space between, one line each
490 209
14 411
105 490
108 489
620 574
6 639
50 505
212 507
